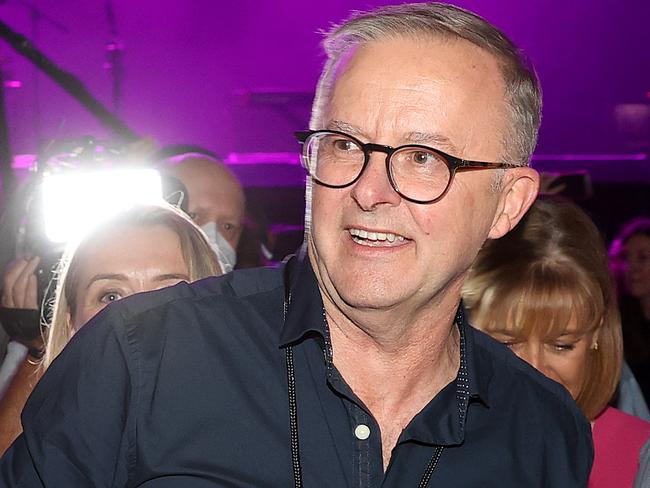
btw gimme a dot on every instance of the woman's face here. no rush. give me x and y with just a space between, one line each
134 260
636 256
564 358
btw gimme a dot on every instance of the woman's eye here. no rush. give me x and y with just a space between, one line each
109 297
564 347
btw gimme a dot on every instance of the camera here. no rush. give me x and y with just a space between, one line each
82 185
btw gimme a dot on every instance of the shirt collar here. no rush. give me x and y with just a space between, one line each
442 421
303 302
479 370
448 410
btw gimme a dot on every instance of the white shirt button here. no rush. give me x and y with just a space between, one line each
362 432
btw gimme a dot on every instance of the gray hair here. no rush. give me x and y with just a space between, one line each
523 93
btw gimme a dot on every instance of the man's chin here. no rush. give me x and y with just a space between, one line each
370 296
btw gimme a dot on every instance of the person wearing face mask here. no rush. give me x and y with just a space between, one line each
221 247
216 201
142 249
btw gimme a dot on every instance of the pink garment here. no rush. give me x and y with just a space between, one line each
618 438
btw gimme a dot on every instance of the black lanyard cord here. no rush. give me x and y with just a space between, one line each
424 482
293 428
293 421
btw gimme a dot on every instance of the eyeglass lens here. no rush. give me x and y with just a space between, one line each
416 172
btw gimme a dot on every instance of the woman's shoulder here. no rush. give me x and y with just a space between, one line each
618 441
616 420
620 429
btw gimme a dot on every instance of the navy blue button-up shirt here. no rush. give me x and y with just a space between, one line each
187 387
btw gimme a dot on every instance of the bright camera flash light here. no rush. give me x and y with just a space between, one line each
75 202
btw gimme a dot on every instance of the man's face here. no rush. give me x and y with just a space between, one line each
442 93
215 196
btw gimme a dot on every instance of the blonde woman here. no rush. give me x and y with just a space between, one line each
545 291
142 249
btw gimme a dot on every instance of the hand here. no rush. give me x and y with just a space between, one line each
20 289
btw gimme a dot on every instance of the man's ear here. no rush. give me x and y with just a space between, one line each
518 192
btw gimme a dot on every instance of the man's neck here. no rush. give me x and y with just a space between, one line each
395 363
396 372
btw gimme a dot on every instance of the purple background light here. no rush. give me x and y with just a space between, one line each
190 67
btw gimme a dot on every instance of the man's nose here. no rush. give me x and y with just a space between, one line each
373 188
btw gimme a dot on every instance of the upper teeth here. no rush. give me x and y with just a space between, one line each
376 236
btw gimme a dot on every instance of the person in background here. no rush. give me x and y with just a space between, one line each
20 327
630 262
216 200
142 249
545 291
353 364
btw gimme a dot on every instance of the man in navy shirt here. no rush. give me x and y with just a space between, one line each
352 365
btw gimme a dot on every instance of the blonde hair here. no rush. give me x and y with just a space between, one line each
552 270
198 255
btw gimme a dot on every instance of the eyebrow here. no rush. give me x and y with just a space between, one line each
123 277
172 276
107 276
425 138
344 127
433 139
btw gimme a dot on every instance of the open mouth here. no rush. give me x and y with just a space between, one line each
376 239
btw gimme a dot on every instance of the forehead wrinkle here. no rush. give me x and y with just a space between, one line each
392 118
479 75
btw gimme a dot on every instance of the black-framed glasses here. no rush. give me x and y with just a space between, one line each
419 174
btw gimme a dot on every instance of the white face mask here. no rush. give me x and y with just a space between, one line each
221 247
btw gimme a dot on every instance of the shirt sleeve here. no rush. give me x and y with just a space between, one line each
630 396
78 426
642 479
